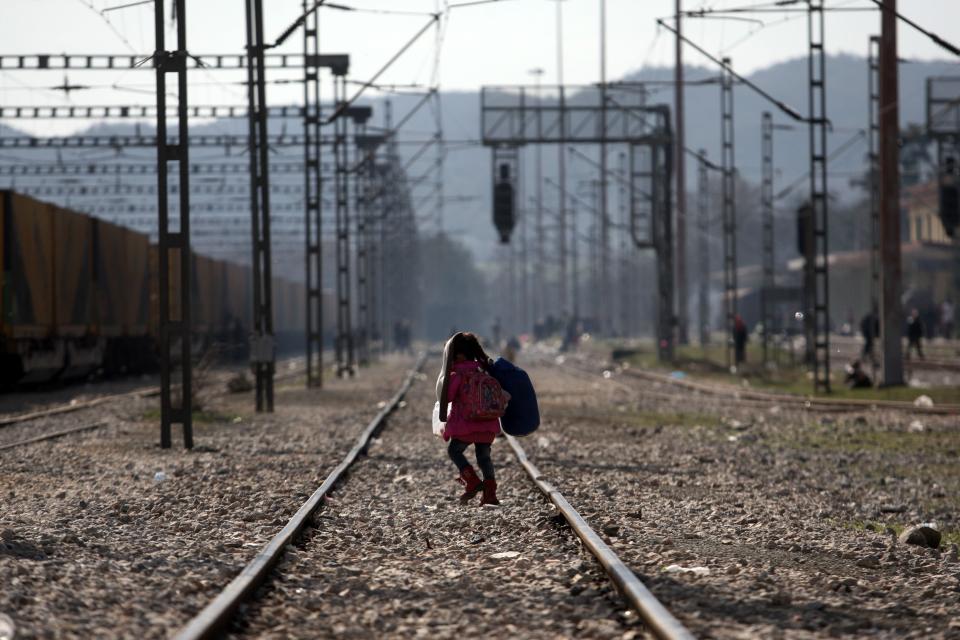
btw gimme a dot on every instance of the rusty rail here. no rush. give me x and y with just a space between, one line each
52 436
660 621
145 392
216 615
819 404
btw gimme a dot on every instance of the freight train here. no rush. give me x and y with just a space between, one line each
79 295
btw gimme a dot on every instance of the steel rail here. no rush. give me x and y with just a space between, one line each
753 398
660 621
677 394
216 615
147 392
819 404
52 436
69 408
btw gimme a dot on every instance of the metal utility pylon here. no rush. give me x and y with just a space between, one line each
703 247
766 202
540 300
562 213
650 191
891 312
313 62
603 311
623 288
344 337
873 141
729 208
366 149
262 349
360 189
681 174
313 196
374 231
175 323
820 296
345 345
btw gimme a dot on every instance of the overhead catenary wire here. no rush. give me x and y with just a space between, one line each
790 111
346 104
952 48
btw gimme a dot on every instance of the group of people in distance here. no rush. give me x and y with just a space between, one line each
857 377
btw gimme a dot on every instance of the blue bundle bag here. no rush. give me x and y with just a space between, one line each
523 415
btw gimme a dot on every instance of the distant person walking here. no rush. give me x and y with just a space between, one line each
463 360
915 333
740 339
497 331
947 319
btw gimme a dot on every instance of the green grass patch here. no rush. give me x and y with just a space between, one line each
829 438
710 364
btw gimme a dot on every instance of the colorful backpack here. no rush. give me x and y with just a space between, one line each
522 416
481 397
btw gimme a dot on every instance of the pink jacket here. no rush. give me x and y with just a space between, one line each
459 427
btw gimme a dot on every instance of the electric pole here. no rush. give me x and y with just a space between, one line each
540 299
562 160
681 170
891 315
602 311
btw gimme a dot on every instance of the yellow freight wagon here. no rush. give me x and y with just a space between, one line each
79 295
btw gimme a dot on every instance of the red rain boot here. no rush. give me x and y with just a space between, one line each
468 478
489 493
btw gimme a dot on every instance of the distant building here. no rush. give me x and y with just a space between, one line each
920 204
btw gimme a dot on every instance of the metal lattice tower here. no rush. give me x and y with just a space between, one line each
624 264
341 154
262 347
562 212
376 185
769 263
663 232
703 247
313 198
818 195
873 141
729 208
361 186
174 325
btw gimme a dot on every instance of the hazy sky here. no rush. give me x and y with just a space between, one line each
489 44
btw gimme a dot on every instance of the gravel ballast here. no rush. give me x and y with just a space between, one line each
760 521
104 534
394 554
744 519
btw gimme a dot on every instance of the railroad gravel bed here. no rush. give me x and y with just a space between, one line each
394 555
104 534
761 522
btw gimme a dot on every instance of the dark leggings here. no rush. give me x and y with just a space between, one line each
456 448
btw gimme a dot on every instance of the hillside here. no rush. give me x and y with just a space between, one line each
468 164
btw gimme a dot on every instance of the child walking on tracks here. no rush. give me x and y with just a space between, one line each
478 403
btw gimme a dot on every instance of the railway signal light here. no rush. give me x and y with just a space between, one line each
504 200
950 197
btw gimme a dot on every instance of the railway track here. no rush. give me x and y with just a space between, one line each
52 436
223 612
71 407
748 397
808 403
